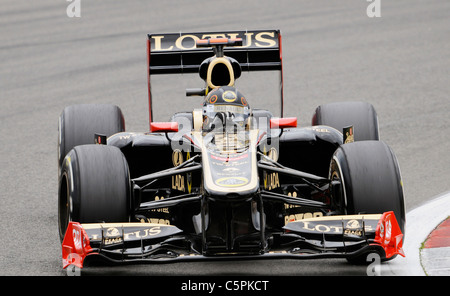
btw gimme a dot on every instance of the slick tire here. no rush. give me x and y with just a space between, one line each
94 186
361 115
370 179
79 123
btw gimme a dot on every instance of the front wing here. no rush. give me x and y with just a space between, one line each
331 236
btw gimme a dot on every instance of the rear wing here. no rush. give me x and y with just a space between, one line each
177 53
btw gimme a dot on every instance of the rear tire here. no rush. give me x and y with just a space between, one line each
361 115
94 186
79 123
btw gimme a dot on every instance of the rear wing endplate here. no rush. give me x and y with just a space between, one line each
176 53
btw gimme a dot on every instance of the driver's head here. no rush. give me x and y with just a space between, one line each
225 107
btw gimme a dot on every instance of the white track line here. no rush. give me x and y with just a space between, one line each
419 223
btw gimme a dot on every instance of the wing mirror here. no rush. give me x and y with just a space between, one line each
284 122
165 127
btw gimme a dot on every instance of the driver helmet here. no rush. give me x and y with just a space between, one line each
225 107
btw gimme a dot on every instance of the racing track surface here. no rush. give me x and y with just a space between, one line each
332 51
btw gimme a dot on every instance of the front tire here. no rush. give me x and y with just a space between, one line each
94 186
370 181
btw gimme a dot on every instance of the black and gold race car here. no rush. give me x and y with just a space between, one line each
227 180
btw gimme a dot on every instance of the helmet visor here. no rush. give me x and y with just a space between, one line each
229 114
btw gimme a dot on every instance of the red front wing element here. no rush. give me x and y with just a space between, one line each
389 235
75 246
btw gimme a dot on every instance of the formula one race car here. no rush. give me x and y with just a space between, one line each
226 181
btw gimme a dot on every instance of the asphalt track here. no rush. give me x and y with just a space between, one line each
332 51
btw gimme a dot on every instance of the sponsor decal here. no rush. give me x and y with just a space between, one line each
213 99
348 135
354 228
178 180
387 230
300 216
77 241
145 233
160 210
230 157
173 42
271 181
229 96
155 221
178 183
112 236
228 108
273 154
177 157
232 181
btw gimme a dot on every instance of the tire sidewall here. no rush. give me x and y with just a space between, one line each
68 193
